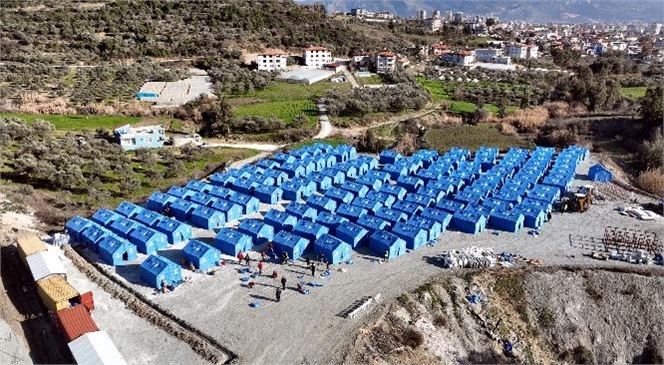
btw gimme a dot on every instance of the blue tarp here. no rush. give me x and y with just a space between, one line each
201 255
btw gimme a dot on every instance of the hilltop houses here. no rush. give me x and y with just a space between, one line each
272 60
317 57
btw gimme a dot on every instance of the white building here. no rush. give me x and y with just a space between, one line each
486 54
448 15
458 17
435 14
462 58
522 51
433 24
316 57
272 61
386 62
421 14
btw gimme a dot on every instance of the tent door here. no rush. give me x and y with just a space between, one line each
125 256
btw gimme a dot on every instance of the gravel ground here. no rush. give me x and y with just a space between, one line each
307 328
12 349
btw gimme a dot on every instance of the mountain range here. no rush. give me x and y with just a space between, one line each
532 11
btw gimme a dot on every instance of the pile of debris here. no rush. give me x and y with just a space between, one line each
639 213
472 257
640 257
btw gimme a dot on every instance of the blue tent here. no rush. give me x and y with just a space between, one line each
245 186
268 194
383 176
371 182
148 240
391 215
358 190
534 217
442 185
497 204
301 211
308 185
202 199
450 206
201 255
292 244
123 226
105 217
545 206
330 160
469 222
301 153
207 218
233 211
384 198
221 179
259 231
309 230
221 192
239 173
181 209
407 207
76 226
279 176
264 180
321 203
293 170
349 171
361 166
93 234
128 209
279 220
389 157
433 228
337 176
507 221
199 186
333 249
373 224
381 241
440 216
283 158
159 201
309 166
352 234
330 220
114 251
292 190
414 236
369 204
372 162
436 195
351 212
232 242
410 183
248 203
396 171
180 192
174 230
340 155
420 199
157 271
322 182
340 195
398 191
268 164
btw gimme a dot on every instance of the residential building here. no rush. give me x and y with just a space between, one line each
272 61
359 12
384 15
486 54
131 138
435 14
362 60
421 14
317 57
448 16
433 24
386 62
438 49
461 58
458 17
522 51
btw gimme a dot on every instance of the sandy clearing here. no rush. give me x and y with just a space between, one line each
306 328
12 349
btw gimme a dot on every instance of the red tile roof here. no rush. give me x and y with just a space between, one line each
387 54
316 49
440 46
75 322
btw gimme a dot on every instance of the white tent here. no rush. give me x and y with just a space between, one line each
45 263
96 348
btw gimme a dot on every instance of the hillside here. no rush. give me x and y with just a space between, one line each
571 11
549 315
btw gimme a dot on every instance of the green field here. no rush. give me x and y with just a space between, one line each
633 92
77 122
472 137
284 100
373 80
440 91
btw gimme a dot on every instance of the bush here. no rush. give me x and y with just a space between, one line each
557 109
440 320
412 337
506 128
652 181
529 119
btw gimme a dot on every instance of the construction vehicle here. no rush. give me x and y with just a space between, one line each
578 201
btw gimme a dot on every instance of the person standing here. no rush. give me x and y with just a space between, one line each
308 261
278 294
313 270
240 256
260 268
387 255
283 282
247 259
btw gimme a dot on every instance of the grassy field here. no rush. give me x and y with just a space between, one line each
373 80
472 137
440 91
633 92
284 100
77 122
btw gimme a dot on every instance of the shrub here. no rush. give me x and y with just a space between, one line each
557 109
407 144
652 181
412 337
506 128
529 119
440 320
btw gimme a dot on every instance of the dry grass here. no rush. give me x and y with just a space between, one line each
508 129
528 120
438 120
412 337
652 181
407 144
557 109
36 103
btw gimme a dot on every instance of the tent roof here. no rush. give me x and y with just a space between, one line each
197 248
231 235
288 239
156 264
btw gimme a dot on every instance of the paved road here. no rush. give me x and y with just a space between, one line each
350 77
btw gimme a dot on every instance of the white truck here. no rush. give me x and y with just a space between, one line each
194 139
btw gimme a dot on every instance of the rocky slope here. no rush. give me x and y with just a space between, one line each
548 315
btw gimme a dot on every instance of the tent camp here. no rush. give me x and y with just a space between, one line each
414 236
114 251
309 230
280 220
128 209
207 218
201 255
148 240
534 217
301 211
333 249
433 228
420 199
381 241
259 231
599 172
352 234
157 272
292 244
148 218
175 231
180 192
232 242
351 212
330 220
75 227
